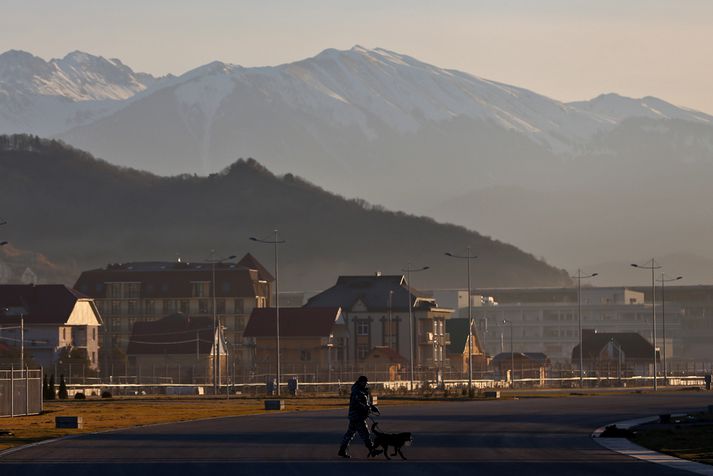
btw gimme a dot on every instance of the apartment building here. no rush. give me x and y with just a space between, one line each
376 314
546 320
128 293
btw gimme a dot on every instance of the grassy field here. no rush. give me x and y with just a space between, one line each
692 441
108 414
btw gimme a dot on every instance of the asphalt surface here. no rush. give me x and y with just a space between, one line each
526 437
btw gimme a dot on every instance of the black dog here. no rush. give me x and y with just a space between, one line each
397 440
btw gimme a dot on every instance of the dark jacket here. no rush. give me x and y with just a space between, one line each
359 403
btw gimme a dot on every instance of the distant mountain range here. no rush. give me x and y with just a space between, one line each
561 180
83 213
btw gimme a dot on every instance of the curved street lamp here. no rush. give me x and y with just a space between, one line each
579 278
275 241
468 257
653 266
216 355
663 282
408 270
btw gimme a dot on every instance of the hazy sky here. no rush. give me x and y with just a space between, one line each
566 49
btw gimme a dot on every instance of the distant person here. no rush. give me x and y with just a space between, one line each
359 408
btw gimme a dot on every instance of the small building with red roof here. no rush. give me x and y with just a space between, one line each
50 322
307 339
178 349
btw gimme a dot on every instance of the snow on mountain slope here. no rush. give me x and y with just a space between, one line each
46 97
375 91
379 91
358 86
615 108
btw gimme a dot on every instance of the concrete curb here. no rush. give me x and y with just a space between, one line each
626 447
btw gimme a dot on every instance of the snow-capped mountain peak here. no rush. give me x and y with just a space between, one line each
616 108
46 97
79 76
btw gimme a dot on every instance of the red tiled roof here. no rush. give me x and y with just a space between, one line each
249 261
43 303
174 280
633 345
294 321
374 292
174 334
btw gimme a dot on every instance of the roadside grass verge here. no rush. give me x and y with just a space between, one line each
689 437
115 413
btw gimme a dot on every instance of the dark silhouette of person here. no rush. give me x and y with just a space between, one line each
359 408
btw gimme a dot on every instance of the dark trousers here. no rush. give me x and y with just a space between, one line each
357 426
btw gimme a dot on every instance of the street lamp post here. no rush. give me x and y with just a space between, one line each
468 257
216 354
663 282
579 278
653 266
408 270
390 342
275 242
512 356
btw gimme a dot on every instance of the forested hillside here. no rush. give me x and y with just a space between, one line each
83 213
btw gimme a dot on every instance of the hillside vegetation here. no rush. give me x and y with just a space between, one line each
84 213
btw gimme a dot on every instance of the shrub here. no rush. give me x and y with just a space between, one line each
106 394
79 396
62 393
50 388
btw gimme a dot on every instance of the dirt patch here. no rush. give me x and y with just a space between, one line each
109 414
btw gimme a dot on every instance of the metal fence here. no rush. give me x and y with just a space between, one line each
20 392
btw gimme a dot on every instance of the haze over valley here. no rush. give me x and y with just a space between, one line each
586 183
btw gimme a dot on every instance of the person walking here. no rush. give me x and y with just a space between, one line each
359 408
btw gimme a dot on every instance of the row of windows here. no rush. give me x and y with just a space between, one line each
133 290
133 307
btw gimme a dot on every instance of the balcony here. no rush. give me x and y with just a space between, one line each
431 338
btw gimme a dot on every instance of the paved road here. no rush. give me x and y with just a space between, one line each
524 437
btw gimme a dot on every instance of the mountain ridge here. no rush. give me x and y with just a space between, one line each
134 216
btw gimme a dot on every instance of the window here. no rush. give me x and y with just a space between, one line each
133 307
113 290
305 355
239 306
169 306
132 290
116 307
203 307
201 289
362 350
184 306
94 334
362 328
220 306
150 307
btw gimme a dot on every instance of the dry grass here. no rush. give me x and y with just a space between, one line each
692 441
108 414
